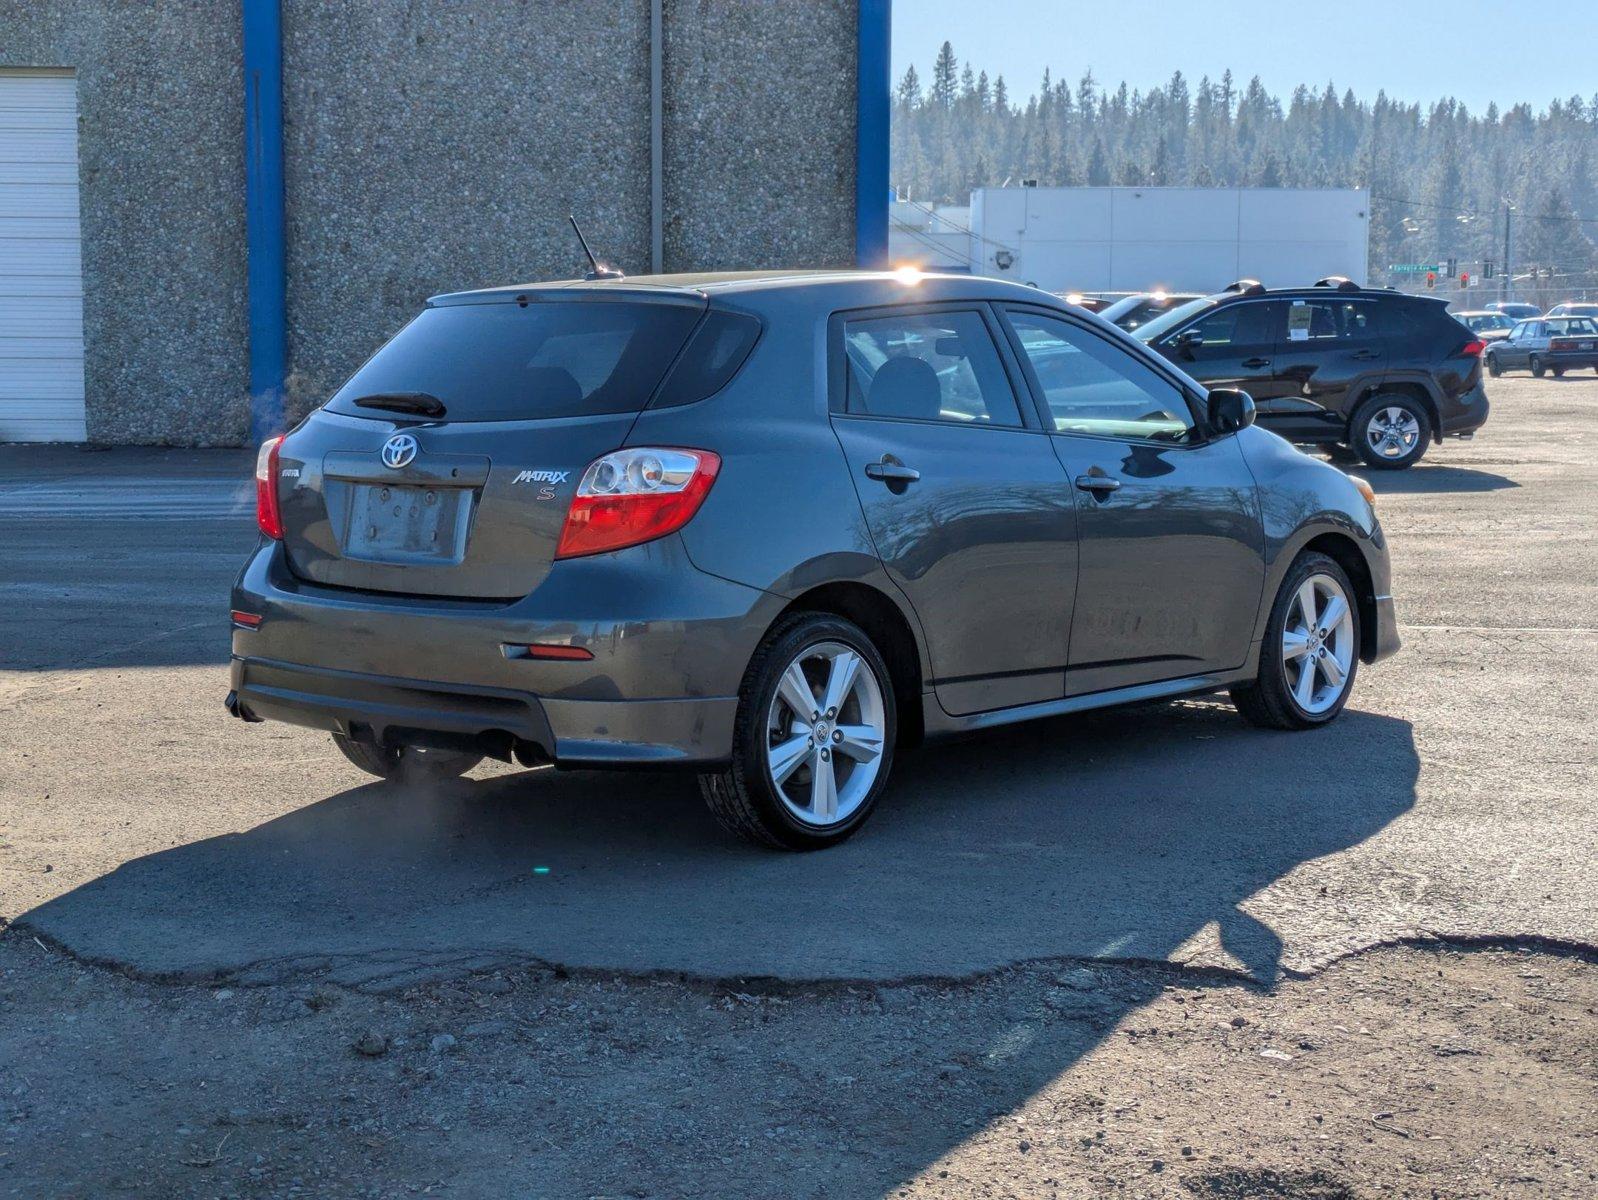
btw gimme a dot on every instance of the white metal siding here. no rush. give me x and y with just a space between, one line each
41 273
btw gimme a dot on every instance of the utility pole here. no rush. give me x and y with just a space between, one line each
1509 270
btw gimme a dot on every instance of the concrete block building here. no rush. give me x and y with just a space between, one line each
425 146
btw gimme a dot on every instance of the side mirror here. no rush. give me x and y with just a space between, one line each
1188 341
1230 409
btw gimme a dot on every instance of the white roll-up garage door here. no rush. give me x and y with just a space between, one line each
41 272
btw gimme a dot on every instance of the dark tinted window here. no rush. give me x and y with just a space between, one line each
711 358
1332 320
1247 324
1093 386
506 362
927 366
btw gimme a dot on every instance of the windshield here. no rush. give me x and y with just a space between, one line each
1481 322
507 362
1168 321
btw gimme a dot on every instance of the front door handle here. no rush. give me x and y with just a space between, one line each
890 471
1256 362
1097 483
1364 355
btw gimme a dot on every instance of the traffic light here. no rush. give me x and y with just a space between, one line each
1487 269
1464 279
1453 266
1431 279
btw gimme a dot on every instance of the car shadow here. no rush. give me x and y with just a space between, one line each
1434 477
1143 833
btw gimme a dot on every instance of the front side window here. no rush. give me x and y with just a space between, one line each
1093 386
940 366
1237 325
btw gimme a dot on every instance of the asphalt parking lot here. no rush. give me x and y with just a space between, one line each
223 910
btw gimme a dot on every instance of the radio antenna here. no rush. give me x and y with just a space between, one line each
600 270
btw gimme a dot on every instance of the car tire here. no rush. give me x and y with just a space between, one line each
1537 367
1391 431
1493 367
1559 372
1278 697
414 764
773 792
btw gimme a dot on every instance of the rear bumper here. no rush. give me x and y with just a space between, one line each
504 724
1465 413
669 644
1568 360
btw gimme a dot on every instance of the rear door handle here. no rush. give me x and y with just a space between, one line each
1256 362
1097 483
890 472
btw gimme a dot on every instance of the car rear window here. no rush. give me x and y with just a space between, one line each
510 361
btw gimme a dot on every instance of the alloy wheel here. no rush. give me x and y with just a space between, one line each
825 733
1392 432
1318 644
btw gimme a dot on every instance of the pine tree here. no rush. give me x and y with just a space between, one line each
943 78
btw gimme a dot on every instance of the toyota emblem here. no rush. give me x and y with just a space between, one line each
399 450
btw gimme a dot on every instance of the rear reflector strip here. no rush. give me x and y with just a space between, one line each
246 619
547 651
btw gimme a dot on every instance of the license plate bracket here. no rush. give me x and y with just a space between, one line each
400 523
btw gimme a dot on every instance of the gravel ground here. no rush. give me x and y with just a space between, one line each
1355 963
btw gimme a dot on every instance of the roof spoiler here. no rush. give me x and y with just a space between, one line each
1341 283
1245 287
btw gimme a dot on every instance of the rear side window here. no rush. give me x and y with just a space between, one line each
940 366
506 362
712 357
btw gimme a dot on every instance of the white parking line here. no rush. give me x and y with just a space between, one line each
130 499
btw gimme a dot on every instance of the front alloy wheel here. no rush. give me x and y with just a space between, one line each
813 741
1311 650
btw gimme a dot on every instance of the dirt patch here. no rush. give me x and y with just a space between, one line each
1403 1072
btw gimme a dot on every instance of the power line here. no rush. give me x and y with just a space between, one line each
1475 216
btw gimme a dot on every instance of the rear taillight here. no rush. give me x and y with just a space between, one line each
267 514
1472 349
633 496
1559 346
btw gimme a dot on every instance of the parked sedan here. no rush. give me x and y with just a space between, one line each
1556 344
777 528
1488 326
1573 308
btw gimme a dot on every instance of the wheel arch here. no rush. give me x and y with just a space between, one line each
1345 552
886 624
1414 389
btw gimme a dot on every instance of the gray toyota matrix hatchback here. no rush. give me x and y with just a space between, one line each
774 527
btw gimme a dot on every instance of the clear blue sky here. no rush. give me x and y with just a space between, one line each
1419 50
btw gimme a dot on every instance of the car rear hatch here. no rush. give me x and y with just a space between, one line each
446 465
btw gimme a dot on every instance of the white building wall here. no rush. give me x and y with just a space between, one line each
1181 239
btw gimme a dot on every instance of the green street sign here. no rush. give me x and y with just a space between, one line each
1413 268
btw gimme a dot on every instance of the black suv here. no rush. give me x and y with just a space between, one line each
1335 364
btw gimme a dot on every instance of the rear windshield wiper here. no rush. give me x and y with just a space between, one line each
424 403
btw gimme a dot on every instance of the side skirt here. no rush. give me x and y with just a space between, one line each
941 724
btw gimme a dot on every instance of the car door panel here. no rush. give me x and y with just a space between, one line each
1170 538
1171 561
1238 350
982 541
1325 345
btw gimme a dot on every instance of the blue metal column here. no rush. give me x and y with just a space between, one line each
263 213
874 87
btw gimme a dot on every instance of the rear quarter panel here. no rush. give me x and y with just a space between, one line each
783 515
